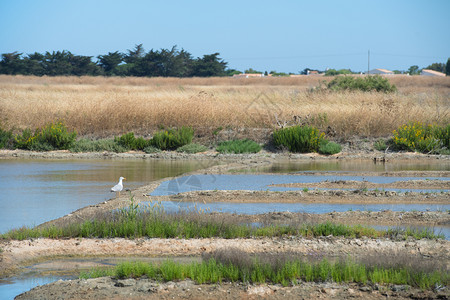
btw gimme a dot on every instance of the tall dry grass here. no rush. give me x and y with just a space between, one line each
103 107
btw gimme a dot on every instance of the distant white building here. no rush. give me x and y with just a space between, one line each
426 72
248 75
381 72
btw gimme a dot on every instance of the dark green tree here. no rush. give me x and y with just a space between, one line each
109 62
440 67
83 65
413 70
209 65
447 68
34 64
58 63
12 64
134 55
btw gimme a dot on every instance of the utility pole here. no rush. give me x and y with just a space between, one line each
368 63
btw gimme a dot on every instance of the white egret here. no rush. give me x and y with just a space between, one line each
118 187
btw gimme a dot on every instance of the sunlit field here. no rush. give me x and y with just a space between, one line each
103 107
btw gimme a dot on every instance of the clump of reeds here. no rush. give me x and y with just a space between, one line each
240 267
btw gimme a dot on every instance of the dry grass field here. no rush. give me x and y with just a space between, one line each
103 107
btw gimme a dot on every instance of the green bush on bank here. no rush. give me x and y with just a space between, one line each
239 146
329 148
365 84
53 136
302 139
6 139
425 138
130 142
172 139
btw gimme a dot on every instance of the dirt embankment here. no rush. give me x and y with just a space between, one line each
115 289
16 253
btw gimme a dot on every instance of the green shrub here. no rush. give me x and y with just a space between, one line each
52 136
422 138
365 84
299 138
329 148
192 148
239 146
6 139
86 145
443 135
380 145
172 139
130 142
151 149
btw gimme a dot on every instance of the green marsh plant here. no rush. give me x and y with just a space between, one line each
53 136
256 270
239 146
192 148
172 139
303 139
425 138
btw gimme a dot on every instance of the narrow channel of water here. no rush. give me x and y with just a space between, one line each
253 182
355 165
312 208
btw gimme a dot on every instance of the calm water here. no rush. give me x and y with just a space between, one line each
287 166
36 191
264 182
312 208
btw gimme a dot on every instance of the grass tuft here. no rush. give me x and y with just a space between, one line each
329 148
239 146
237 266
192 148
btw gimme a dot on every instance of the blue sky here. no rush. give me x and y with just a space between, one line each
286 36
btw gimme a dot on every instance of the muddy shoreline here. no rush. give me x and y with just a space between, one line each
17 254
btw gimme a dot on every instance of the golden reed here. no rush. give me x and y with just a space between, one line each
107 106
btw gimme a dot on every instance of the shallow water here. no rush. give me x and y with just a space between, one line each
36 191
14 286
287 166
312 208
253 182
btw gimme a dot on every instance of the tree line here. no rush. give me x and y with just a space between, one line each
136 62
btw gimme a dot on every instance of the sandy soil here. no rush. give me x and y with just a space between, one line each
17 254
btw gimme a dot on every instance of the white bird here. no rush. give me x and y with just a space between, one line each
118 187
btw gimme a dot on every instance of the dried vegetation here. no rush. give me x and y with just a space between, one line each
103 107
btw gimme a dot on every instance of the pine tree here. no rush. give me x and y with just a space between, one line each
447 68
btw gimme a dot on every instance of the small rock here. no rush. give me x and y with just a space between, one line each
365 289
398 288
125 282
